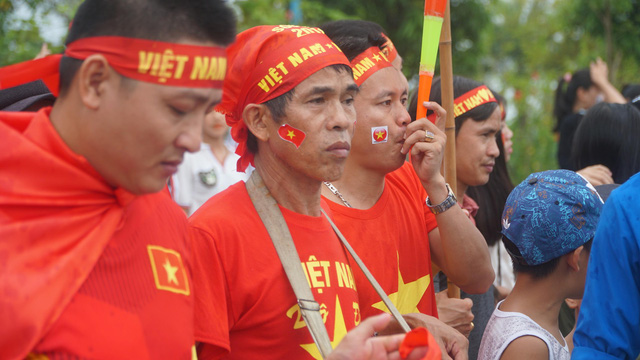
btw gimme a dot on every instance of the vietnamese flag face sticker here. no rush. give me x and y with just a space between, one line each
291 134
379 134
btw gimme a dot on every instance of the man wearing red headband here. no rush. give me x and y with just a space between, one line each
379 202
289 101
95 258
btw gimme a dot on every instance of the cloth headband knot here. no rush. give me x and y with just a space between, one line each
156 62
389 49
266 62
367 63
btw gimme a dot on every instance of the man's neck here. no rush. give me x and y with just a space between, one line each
359 186
289 188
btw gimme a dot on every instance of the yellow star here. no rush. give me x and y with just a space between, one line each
380 135
377 57
171 272
330 46
408 296
291 134
339 331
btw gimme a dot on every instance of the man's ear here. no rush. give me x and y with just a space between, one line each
573 258
257 117
92 79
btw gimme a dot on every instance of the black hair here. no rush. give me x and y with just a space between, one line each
461 85
278 107
161 20
539 271
566 98
631 91
609 134
354 36
491 197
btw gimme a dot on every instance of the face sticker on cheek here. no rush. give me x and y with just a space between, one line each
379 134
290 134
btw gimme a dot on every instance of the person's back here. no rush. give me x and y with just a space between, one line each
548 223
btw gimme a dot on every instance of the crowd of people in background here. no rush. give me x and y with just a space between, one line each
149 191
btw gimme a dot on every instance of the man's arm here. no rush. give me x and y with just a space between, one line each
457 246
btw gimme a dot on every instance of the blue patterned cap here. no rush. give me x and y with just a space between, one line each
550 214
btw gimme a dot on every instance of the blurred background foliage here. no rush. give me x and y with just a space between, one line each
520 48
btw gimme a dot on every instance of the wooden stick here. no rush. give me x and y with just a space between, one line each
446 81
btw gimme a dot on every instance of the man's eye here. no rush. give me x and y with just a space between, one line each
319 100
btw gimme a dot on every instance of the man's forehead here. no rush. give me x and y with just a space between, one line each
324 80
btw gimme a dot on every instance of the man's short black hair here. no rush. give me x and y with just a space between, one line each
354 36
537 272
160 20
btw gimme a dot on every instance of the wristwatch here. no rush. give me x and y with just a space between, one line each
444 205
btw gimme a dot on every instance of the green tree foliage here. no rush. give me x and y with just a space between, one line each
518 47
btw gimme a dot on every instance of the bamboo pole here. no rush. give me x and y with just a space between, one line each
446 81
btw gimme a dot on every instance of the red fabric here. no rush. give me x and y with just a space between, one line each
244 302
470 207
266 62
45 69
420 337
389 49
71 281
137 302
392 240
291 134
56 217
469 101
156 62
435 7
367 63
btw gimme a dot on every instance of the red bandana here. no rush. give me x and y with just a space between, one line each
266 62
155 61
389 49
367 63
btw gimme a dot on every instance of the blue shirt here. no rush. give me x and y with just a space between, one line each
609 321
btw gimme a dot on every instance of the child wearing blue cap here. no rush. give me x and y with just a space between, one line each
548 225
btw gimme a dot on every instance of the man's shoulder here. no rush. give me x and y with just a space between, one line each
230 206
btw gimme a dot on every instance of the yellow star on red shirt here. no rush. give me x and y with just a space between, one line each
339 331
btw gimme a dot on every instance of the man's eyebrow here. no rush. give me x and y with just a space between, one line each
384 93
353 88
190 93
320 90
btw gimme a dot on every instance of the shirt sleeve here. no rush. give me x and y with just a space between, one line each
609 320
210 298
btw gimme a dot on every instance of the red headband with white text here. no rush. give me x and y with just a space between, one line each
157 62
367 63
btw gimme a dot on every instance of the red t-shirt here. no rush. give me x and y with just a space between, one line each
88 271
245 306
392 240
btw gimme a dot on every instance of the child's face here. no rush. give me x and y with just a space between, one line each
583 262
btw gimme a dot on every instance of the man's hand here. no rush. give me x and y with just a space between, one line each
361 344
426 156
455 312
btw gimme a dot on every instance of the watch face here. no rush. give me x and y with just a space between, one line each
209 178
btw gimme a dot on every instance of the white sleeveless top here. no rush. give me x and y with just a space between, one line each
504 327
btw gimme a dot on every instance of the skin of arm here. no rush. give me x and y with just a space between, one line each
457 246
526 348
599 75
